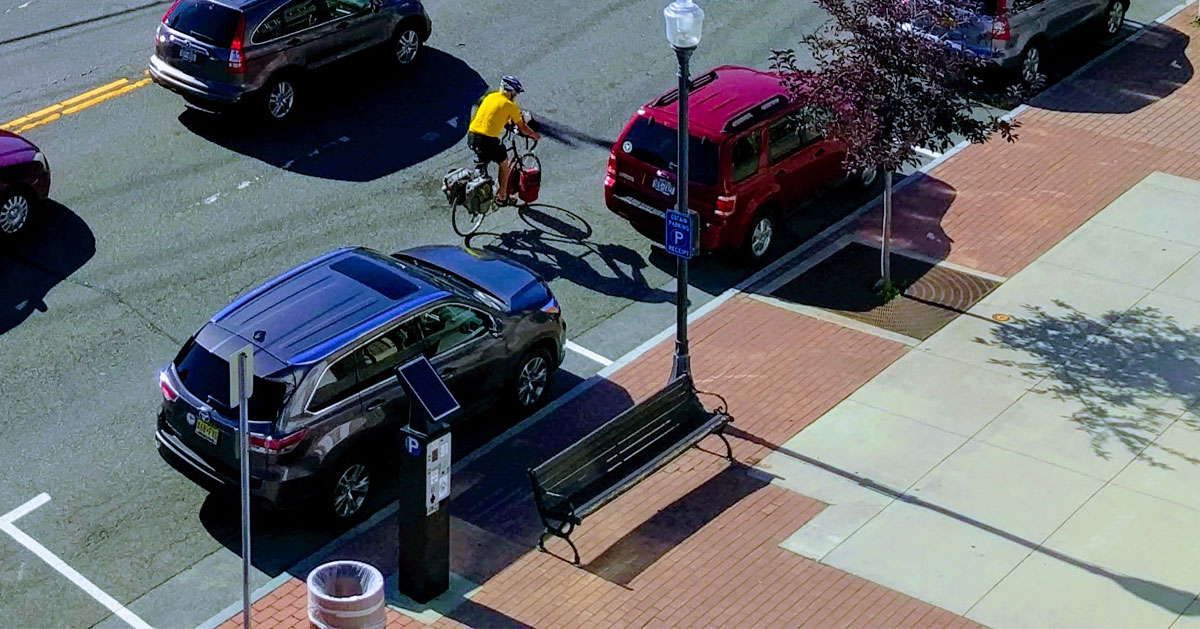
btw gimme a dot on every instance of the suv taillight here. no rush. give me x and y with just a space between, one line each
1000 27
726 205
170 10
610 177
276 445
164 384
236 65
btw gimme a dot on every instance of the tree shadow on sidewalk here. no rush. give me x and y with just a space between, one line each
1175 600
1123 368
1152 67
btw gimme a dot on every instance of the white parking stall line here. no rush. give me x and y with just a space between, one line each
587 353
7 524
926 152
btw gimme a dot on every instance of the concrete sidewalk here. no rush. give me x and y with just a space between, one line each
1042 475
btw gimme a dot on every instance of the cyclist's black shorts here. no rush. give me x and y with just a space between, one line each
487 149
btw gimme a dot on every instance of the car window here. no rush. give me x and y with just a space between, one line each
342 8
206 376
378 358
290 18
206 21
336 384
657 145
447 327
745 155
785 138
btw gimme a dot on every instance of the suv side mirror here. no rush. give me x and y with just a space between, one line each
376 5
493 326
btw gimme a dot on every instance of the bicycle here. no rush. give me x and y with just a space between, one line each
470 191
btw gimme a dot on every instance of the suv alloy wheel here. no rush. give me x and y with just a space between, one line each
279 98
349 489
405 46
761 237
532 380
1114 19
1031 63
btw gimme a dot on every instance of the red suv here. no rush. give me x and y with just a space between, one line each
749 162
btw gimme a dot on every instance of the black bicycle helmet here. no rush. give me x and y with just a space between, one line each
511 84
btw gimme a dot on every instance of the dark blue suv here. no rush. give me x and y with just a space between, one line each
326 406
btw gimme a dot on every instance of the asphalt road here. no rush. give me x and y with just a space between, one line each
161 217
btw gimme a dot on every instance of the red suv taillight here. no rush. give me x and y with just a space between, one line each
170 10
611 177
726 205
164 384
236 63
1000 26
276 445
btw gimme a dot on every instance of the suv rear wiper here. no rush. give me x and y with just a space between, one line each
208 38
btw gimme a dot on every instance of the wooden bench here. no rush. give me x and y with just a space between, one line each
614 457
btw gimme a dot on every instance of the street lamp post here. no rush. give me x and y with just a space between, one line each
684 23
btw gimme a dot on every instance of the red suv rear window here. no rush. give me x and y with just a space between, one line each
656 145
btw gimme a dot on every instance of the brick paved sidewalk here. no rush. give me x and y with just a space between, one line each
697 544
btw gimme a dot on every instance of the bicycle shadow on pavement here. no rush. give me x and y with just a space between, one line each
354 123
54 244
1120 369
556 246
1172 599
1152 67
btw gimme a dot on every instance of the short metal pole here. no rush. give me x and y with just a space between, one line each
244 447
683 362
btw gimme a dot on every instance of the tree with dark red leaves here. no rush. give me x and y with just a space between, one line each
889 78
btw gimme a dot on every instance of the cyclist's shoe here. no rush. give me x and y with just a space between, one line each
506 202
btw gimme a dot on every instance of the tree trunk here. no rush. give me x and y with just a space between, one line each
885 255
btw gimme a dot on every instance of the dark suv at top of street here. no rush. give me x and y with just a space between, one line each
217 53
749 162
326 406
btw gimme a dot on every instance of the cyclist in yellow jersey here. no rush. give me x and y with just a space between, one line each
483 136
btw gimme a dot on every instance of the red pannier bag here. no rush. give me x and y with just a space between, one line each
530 183
524 182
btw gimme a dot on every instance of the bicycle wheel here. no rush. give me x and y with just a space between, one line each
465 222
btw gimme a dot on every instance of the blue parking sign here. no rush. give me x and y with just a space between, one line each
683 233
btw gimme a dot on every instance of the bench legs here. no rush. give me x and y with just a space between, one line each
728 448
564 532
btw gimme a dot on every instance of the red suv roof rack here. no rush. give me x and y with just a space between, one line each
754 114
694 84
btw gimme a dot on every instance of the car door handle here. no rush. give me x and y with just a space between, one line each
295 41
820 152
343 26
374 405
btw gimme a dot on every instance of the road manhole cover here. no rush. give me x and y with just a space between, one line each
842 284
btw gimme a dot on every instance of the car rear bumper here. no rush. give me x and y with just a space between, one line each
191 87
651 223
187 462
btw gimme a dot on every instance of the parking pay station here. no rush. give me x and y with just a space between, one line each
424 515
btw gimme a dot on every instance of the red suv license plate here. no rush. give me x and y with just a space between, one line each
665 186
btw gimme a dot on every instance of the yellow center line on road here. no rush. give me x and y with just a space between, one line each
73 105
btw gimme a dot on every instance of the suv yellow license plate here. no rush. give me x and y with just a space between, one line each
207 430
